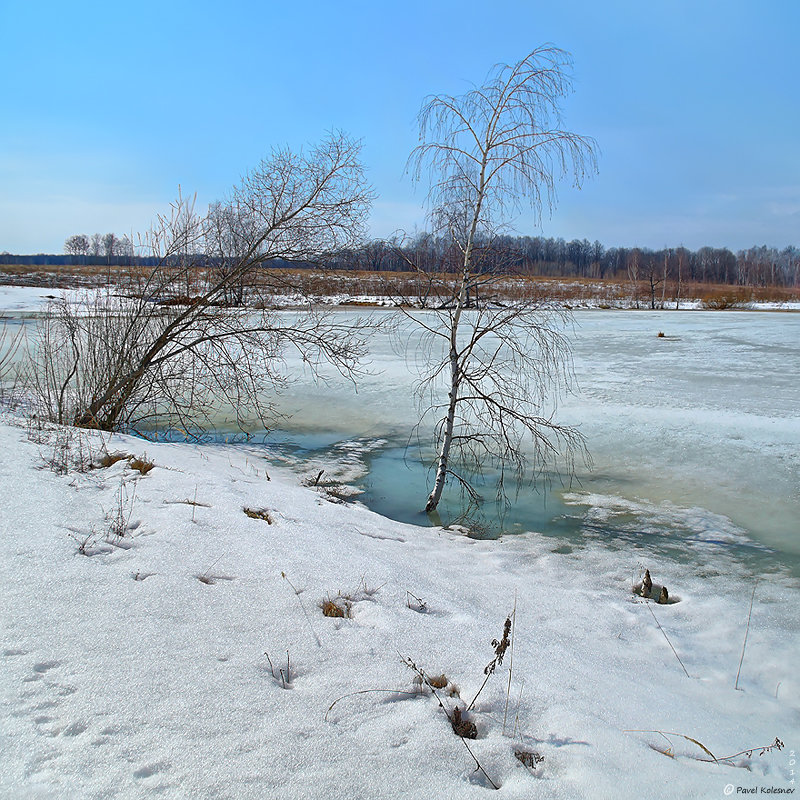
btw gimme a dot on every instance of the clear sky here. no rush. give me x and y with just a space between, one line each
108 107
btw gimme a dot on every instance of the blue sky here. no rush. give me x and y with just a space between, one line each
108 107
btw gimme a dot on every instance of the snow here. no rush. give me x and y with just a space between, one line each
138 666
32 299
123 674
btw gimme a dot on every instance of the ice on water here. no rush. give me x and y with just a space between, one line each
697 430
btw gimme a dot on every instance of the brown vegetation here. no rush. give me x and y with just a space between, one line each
400 286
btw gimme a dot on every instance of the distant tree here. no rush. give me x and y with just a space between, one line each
96 245
649 267
110 243
682 260
633 274
125 247
77 245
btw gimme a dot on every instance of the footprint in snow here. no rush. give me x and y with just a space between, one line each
151 769
45 666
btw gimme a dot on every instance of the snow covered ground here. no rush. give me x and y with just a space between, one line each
138 667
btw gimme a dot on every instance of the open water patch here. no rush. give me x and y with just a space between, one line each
393 480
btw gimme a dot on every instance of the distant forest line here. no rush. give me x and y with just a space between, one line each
534 256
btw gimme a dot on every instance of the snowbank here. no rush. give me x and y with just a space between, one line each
140 667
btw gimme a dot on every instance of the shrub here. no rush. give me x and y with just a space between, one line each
734 298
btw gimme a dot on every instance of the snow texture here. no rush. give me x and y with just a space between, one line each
138 667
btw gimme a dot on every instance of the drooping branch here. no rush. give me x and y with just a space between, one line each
488 153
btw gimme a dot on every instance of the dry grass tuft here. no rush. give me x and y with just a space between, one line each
340 606
109 459
141 465
259 513
438 681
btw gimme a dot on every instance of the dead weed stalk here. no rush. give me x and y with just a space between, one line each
302 606
500 646
284 677
712 759
462 726
667 638
746 632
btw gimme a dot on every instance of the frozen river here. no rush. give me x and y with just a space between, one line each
695 436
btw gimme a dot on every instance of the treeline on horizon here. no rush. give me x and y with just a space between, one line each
551 257
526 255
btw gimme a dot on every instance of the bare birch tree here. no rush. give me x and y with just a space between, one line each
489 154
170 344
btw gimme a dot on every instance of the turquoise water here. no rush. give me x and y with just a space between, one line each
393 483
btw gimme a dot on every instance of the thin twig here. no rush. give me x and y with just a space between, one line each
777 744
485 774
213 564
365 691
516 716
271 668
668 641
409 663
510 661
500 646
749 752
308 619
673 733
469 707
746 632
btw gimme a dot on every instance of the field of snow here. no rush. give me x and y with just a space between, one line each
137 665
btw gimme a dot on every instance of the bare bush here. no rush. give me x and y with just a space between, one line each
10 344
170 345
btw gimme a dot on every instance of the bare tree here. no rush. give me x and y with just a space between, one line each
143 352
125 247
96 244
110 242
10 344
682 253
632 264
77 245
489 153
